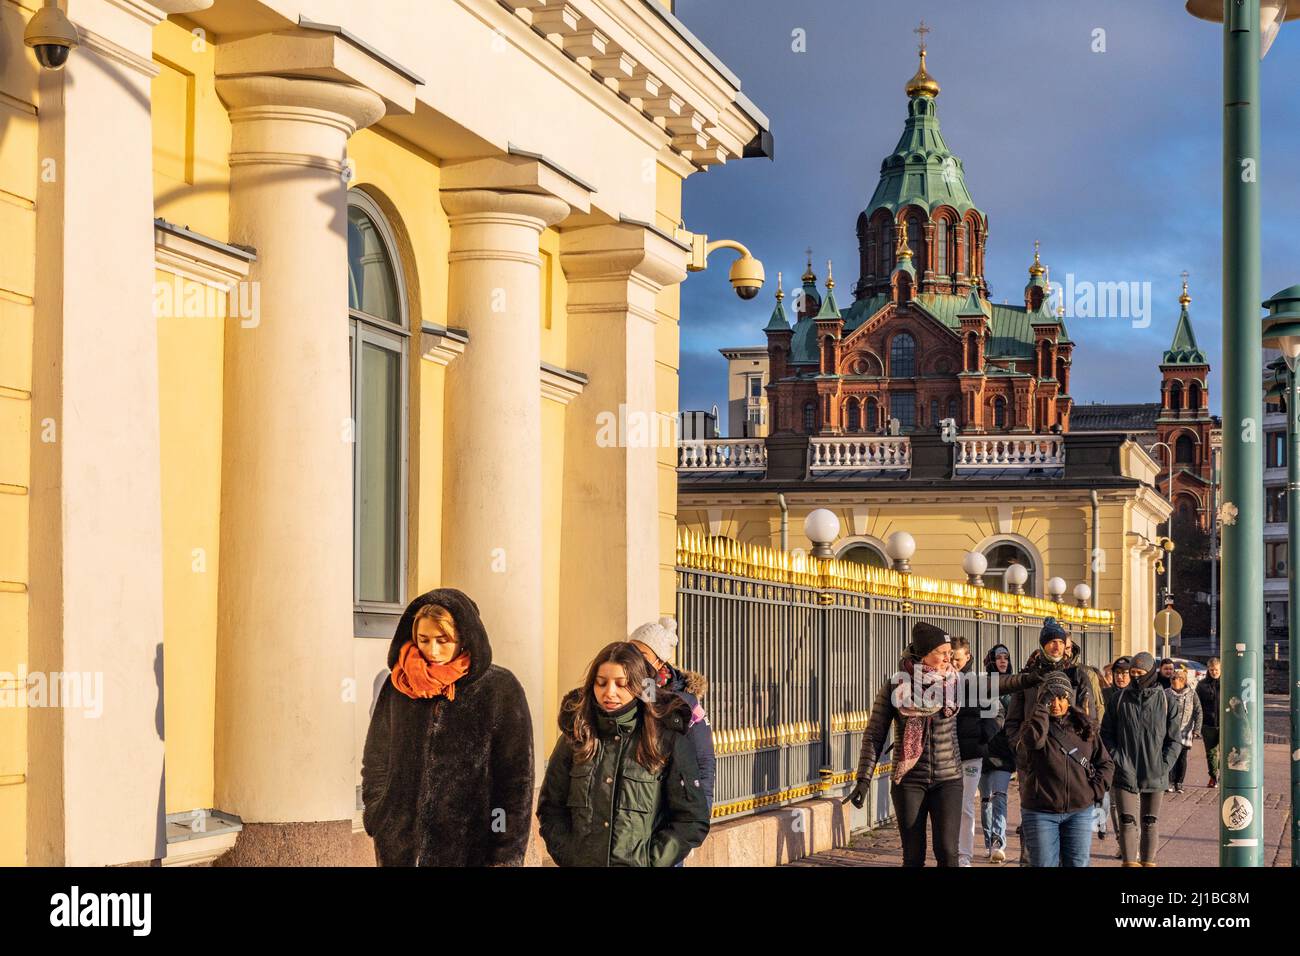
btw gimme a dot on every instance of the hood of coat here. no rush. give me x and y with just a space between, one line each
691 682
470 631
990 664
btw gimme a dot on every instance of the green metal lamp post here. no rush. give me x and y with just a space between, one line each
1247 32
1282 331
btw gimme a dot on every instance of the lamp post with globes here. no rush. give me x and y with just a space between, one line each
901 546
1249 27
1082 594
1282 332
975 564
822 528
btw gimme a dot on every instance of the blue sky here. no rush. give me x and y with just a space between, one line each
1112 159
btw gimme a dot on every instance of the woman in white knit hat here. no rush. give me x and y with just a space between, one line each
657 642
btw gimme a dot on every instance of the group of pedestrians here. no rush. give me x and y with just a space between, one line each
1088 748
447 771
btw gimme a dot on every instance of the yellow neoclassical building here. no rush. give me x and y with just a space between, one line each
306 308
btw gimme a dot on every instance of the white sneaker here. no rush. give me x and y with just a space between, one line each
997 856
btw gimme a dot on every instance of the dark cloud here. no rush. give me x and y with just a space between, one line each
1112 159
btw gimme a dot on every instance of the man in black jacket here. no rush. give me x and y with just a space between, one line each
1208 693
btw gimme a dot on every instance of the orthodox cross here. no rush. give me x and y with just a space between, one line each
922 31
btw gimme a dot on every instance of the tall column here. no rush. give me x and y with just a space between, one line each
492 525
95 766
611 518
284 745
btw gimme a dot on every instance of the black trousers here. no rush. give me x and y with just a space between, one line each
1179 772
940 803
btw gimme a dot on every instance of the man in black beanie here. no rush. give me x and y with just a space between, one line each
920 701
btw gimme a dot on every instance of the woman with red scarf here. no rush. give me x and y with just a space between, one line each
447 772
921 702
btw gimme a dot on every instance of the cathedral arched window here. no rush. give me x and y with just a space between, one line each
1194 396
902 356
855 415
809 416
1176 397
1185 450
952 408
999 412
934 411
885 249
873 416
916 242
941 247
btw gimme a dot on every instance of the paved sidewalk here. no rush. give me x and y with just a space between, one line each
1189 825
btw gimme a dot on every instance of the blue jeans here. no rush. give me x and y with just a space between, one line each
993 807
1057 839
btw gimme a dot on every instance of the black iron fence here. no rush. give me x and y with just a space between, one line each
795 648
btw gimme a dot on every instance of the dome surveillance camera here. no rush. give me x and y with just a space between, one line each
747 277
51 36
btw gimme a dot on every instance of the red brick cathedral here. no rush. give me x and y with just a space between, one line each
921 341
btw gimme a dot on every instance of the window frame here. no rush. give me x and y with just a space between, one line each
363 329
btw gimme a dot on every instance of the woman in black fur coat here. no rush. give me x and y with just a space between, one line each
447 772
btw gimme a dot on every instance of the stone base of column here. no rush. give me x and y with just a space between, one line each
327 843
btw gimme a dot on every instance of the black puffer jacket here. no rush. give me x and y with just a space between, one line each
450 782
940 758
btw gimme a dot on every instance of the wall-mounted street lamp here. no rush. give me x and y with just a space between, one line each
1082 594
900 547
1017 574
975 564
746 273
822 528
51 36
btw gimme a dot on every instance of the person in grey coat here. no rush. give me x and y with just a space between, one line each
1189 723
1141 731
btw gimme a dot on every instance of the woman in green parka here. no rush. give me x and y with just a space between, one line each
623 785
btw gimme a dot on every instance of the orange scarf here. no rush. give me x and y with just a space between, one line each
416 678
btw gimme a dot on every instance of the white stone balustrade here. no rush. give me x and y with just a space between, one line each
859 454
722 454
1028 451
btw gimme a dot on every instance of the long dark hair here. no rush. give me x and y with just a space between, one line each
579 713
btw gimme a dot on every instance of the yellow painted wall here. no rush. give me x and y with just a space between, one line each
19 169
191 133
668 214
190 351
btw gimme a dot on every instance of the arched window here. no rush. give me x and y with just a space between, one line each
377 334
902 405
855 415
934 411
1045 360
885 249
972 267
1176 397
1194 396
1000 557
902 356
999 412
809 417
862 553
1185 450
873 416
941 247
916 242
952 408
